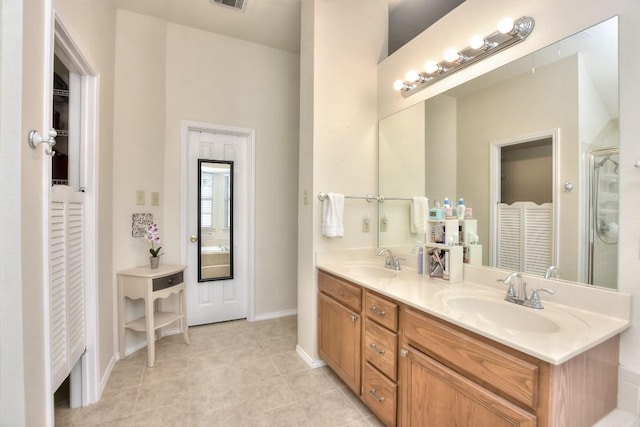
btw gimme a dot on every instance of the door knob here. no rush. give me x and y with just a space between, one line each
193 238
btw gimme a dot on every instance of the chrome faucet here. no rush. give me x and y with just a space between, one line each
552 272
391 261
517 292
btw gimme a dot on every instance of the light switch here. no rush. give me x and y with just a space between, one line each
139 197
155 198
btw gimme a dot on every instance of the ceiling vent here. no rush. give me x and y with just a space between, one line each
235 4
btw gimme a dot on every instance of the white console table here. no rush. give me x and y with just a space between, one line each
151 285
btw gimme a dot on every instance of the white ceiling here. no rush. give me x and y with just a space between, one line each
276 23
273 23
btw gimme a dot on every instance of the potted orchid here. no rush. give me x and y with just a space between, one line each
153 236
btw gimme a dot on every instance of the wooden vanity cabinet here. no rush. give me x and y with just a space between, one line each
413 369
340 328
380 350
451 375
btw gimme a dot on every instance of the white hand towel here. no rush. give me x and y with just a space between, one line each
332 212
419 214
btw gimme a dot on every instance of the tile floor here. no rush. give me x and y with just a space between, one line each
233 374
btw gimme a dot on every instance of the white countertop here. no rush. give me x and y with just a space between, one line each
568 329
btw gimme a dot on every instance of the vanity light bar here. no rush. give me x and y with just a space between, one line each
509 33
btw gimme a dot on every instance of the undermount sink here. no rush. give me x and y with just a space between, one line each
511 317
369 270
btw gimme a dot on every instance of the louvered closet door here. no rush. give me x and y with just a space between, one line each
67 281
525 236
537 236
509 236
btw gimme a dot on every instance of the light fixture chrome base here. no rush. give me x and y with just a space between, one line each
494 43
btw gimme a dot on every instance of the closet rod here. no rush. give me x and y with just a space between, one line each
369 197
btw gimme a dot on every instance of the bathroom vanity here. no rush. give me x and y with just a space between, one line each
417 352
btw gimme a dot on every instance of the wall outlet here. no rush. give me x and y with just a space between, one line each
155 198
139 197
383 225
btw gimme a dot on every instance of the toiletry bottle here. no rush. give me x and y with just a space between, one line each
420 255
460 208
447 208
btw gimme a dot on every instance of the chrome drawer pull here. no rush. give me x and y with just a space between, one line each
379 399
377 311
353 318
375 348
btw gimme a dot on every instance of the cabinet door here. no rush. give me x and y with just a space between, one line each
339 340
434 395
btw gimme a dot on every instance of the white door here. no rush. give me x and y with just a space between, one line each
219 300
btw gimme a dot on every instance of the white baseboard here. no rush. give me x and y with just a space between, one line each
313 363
107 374
629 391
275 315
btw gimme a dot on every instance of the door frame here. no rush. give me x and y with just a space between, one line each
495 186
189 126
86 376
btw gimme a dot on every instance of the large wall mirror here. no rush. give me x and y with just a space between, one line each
452 146
215 220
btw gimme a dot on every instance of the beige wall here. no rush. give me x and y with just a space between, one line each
554 21
342 42
216 79
12 366
167 73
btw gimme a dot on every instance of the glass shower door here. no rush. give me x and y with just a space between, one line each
603 254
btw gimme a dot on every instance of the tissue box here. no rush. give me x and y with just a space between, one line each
435 214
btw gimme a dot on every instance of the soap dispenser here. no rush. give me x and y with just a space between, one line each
460 208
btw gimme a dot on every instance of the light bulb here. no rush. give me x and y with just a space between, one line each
412 76
505 26
476 42
451 55
431 67
398 85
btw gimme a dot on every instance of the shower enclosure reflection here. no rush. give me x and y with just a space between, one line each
603 239
215 220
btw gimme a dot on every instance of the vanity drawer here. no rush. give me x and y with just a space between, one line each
381 348
503 372
165 282
340 290
380 395
381 310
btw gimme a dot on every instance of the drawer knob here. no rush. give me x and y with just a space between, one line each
353 318
379 399
375 348
404 352
377 311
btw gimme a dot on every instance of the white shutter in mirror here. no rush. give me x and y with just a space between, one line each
525 236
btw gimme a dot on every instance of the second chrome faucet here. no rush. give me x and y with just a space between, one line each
517 292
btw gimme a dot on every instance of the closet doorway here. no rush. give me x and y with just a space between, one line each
72 230
524 203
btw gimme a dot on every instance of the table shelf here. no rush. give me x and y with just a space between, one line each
151 285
